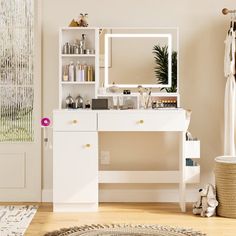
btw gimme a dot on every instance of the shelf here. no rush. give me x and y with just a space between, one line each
192 174
137 94
79 28
77 55
139 176
117 95
75 82
164 94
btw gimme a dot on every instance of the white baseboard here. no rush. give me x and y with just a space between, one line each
135 195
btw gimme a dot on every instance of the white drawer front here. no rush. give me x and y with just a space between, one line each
75 121
141 121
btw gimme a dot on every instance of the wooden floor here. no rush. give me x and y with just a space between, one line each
165 214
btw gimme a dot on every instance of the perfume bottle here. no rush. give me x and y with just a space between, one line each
79 102
69 101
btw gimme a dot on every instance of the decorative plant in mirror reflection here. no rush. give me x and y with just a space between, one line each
161 70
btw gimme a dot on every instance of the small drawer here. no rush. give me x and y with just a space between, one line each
192 149
192 174
141 121
74 121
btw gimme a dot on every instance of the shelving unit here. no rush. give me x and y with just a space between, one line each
192 151
136 97
87 89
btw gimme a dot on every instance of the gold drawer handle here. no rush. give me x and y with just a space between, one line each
141 121
88 145
74 121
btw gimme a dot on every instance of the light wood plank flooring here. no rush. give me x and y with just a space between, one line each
137 213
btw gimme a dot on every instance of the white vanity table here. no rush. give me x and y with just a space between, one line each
76 174
75 168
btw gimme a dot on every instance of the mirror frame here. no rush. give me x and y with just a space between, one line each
108 38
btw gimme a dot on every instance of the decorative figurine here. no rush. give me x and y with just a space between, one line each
207 203
73 23
82 22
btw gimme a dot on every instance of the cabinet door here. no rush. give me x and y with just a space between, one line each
75 167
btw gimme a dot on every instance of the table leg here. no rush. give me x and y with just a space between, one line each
182 181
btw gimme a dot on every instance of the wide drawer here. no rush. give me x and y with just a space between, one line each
142 121
74 121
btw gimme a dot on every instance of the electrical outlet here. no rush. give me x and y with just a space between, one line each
105 158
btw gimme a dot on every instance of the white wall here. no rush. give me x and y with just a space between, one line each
202 31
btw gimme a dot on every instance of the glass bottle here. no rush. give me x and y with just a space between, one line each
69 101
83 43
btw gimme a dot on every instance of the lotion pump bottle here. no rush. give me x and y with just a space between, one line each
71 71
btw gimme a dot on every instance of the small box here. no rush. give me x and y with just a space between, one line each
100 104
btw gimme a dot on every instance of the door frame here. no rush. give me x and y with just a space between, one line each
38 93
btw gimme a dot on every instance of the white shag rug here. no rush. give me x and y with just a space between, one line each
14 220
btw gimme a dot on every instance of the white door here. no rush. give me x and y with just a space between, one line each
75 167
20 101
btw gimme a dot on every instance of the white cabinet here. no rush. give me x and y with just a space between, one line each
75 168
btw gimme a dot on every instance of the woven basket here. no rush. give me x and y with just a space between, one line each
225 174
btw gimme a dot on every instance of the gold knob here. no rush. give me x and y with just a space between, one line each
74 121
141 121
88 145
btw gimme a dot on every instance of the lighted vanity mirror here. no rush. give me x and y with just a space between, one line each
140 56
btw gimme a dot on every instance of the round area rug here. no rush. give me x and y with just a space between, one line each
125 230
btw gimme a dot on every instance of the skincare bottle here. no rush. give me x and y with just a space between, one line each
71 71
65 48
115 102
102 90
65 73
121 102
85 72
78 72
90 73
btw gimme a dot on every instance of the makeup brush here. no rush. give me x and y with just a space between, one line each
149 95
